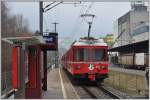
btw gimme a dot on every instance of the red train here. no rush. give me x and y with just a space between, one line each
87 59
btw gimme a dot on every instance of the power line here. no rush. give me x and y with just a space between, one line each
49 4
74 32
55 23
77 20
77 23
53 6
82 11
89 8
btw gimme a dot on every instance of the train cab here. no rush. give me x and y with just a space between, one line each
87 59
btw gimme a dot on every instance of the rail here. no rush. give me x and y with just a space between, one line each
99 92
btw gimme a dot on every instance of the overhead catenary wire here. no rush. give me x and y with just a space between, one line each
49 4
89 8
78 18
86 11
53 6
76 24
53 15
83 10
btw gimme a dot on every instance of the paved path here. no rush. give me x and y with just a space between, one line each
54 90
69 89
59 86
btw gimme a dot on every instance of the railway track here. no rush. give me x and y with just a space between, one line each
95 92
87 90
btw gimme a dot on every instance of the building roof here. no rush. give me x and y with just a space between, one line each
31 41
137 47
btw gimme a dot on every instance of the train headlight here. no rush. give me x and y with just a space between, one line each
99 67
78 67
103 67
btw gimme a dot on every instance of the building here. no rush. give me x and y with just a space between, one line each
132 26
131 34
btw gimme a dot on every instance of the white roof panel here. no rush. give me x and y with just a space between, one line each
98 42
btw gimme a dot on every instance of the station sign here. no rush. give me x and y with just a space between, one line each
51 37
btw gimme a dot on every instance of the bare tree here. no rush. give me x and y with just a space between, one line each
13 25
4 18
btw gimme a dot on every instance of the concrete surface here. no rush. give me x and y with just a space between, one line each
127 71
54 90
59 86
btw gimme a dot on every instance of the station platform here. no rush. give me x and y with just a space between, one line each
127 71
59 86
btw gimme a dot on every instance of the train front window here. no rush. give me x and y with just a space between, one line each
99 54
82 54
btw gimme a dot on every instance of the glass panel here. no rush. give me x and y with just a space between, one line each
99 54
79 55
141 30
82 54
86 55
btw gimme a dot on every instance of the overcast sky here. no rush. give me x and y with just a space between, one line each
72 26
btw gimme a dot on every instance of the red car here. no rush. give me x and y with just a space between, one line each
87 59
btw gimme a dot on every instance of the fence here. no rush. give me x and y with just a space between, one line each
131 84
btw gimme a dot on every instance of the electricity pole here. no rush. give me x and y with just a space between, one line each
56 52
41 17
55 23
41 11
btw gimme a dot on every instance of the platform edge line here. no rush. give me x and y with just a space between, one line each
62 86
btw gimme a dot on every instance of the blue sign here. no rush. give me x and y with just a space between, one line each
50 38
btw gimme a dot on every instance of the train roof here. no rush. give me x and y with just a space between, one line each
89 42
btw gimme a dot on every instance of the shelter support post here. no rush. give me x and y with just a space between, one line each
45 71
